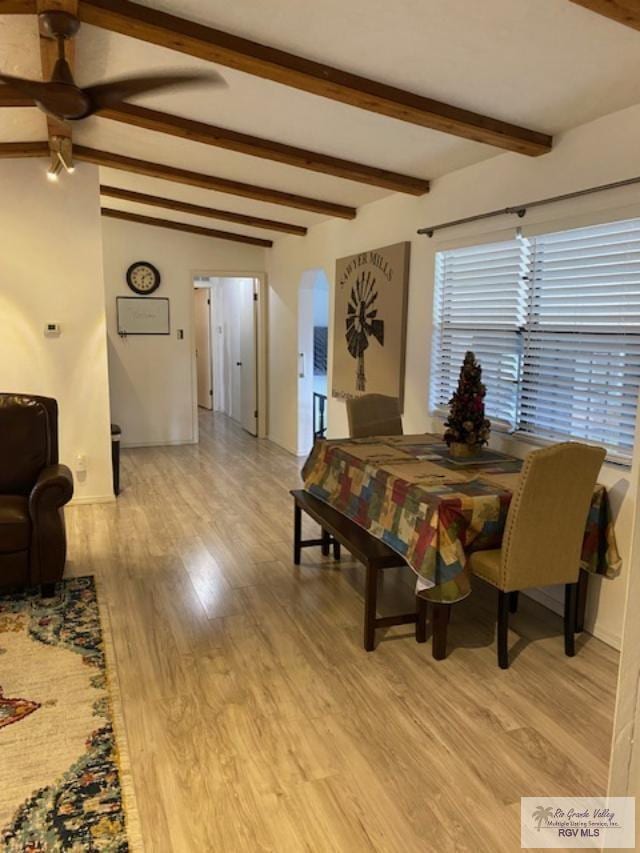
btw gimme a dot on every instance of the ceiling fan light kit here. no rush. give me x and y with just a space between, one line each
60 148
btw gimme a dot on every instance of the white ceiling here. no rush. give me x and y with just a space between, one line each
548 65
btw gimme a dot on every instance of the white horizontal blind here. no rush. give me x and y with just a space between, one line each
480 305
555 323
581 372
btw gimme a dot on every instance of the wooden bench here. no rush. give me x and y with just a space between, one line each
339 530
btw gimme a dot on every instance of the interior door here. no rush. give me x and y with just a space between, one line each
248 356
203 347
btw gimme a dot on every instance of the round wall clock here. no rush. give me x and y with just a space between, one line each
143 278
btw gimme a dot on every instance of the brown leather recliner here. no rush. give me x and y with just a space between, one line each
33 490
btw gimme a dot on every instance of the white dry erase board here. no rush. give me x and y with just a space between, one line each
142 315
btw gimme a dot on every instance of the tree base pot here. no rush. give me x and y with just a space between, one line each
461 450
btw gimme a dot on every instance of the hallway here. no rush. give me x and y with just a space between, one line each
255 719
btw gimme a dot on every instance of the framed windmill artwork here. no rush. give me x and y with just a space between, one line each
371 322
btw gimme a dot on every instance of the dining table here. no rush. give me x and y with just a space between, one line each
435 509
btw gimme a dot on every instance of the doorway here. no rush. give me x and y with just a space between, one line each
226 315
204 361
313 345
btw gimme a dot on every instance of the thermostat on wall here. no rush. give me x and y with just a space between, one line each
52 330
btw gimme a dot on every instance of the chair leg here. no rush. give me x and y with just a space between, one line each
439 622
48 590
421 619
503 629
581 600
326 543
336 549
370 608
297 534
570 601
513 602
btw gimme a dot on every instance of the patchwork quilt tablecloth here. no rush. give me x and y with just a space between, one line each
433 509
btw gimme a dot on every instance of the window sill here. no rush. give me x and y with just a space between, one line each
505 433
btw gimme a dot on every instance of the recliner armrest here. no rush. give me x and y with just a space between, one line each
53 489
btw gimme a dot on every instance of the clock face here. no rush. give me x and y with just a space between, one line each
143 277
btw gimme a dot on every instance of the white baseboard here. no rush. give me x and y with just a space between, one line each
282 446
92 499
132 445
552 603
608 637
546 600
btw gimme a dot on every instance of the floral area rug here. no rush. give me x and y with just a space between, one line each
64 774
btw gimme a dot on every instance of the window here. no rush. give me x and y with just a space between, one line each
320 339
480 306
555 323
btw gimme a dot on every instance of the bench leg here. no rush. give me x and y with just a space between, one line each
297 534
421 619
439 623
326 542
503 629
581 603
336 549
370 607
570 602
513 602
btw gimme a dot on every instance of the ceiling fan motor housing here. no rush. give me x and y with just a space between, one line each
56 24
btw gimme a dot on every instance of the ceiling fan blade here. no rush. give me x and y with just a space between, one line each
10 96
115 91
61 100
35 89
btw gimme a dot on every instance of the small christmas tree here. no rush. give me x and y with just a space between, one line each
466 423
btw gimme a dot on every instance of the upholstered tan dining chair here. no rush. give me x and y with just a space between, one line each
543 534
374 414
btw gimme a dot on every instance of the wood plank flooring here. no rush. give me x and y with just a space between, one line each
257 722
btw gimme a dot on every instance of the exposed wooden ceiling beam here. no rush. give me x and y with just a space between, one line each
48 54
18 7
182 226
9 150
198 210
231 140
243 143
623 11
170 31
209 182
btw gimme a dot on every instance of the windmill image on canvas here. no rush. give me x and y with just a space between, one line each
370 322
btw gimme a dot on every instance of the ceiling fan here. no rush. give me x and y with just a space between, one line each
61 98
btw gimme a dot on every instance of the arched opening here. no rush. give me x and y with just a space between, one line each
313 336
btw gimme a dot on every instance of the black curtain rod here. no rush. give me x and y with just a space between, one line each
520 209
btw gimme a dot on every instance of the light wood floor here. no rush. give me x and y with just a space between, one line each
257 722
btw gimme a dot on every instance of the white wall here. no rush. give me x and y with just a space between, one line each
151 378
624 768
304 355
603 151
51 271
321 301
313 310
